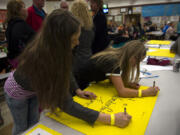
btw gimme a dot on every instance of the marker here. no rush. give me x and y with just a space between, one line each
154 83
125 110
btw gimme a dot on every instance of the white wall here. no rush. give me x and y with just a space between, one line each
49 6
122 3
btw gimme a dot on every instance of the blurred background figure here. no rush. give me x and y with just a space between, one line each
64 5
36 14
101 40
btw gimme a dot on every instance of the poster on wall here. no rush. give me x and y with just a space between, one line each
2 15
137 9
156 20
174 18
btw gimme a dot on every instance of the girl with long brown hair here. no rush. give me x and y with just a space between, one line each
43 76
121 66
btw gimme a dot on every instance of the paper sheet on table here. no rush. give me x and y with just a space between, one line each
108 102
152 46
42 130
155 68
160 52
159 42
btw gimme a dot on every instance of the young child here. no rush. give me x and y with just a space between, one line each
43 76
118 65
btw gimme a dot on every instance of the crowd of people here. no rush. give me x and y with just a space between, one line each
137 31
57 56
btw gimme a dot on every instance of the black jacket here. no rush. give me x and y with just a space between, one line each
83 51
18 34
101 37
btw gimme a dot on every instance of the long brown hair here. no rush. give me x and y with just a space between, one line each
133 49
46 61
13 9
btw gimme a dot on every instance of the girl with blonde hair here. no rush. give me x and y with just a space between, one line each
83 51
121 66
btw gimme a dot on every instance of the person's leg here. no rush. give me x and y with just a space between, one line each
33 113
19 111
1 119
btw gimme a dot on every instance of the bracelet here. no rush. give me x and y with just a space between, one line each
112 119
140 93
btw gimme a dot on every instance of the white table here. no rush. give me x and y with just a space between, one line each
155 33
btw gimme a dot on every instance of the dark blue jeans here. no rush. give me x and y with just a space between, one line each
24 112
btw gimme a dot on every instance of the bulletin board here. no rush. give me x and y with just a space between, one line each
108 102
161 10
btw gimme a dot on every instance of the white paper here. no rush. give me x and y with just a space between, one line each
151 50
40 131
152 46
3 55
155 68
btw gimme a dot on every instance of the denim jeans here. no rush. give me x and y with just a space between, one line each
24 112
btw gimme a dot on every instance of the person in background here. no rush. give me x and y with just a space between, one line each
100 26
175 48
120 65
44 74
83 51
18 32
1 119
36 14
170 33
64 5
178 27
166 27
153 27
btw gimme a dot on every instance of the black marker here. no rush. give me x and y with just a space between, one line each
154 83
125 110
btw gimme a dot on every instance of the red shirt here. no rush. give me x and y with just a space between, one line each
34 19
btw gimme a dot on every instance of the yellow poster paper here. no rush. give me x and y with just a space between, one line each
160 52
108 102
159 42
42 130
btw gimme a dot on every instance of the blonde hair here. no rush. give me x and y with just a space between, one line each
13 9
80 10
133 49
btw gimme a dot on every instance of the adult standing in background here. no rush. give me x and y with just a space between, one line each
166 27
100 26
178 27
36 14
64 5
18 32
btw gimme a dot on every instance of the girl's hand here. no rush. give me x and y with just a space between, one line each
86 94
152 91
122 120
